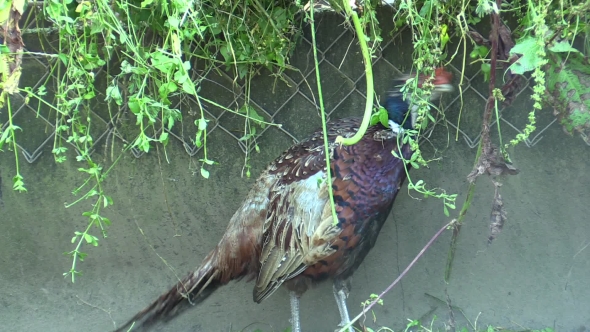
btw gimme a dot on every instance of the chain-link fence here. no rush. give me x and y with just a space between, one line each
285 99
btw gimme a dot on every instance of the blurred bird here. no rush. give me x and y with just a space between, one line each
284 233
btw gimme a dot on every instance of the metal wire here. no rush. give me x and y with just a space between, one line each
340 62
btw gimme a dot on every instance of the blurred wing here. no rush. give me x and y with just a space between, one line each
299 229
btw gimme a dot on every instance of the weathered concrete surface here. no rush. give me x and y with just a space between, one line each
534 275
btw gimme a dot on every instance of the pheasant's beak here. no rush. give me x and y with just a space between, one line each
444 88
439 89
442 83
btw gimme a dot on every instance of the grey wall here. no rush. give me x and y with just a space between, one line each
534 275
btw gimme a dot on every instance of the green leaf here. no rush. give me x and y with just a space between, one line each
88 238
163 138
374 119
202 123
5 7
189 87
198 141
568 83
19 184
107 200
450 205
381 116
479 52
426 9
145 145
204 173
4 136
163 62
4 49
139 71
243 70
173 21
384 117
89 95
486 69
64 58
563 46
114 93
134 106
444 36
529 59
225 50
166 89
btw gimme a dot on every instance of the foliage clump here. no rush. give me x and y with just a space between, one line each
150 50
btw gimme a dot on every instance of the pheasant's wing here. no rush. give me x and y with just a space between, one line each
299 228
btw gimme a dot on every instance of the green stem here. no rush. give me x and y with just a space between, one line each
14 147
18 182
323 113
76 252
368 75
462 214
498 122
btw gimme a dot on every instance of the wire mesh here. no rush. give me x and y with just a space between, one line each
284 99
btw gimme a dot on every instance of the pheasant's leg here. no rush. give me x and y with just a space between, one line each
341 293
295 323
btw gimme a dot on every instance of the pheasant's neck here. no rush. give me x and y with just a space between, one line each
397 110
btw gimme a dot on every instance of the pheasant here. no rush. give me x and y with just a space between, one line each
284 233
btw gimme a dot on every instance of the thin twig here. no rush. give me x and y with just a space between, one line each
403 274
323 113
108 312
484 149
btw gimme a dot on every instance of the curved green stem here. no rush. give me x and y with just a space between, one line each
368 75
322 111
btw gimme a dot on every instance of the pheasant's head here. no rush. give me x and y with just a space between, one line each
398 108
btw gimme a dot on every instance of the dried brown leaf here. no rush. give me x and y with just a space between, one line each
498 214
477 38
10 31
492 162
505 42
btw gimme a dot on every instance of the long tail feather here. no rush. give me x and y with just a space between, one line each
191 290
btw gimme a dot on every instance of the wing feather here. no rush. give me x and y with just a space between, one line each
298 233
299 230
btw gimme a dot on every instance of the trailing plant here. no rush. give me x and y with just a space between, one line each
559 69
147 50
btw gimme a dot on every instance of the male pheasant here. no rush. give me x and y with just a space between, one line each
284 232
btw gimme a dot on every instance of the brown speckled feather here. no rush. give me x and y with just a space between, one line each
284 231
300 237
